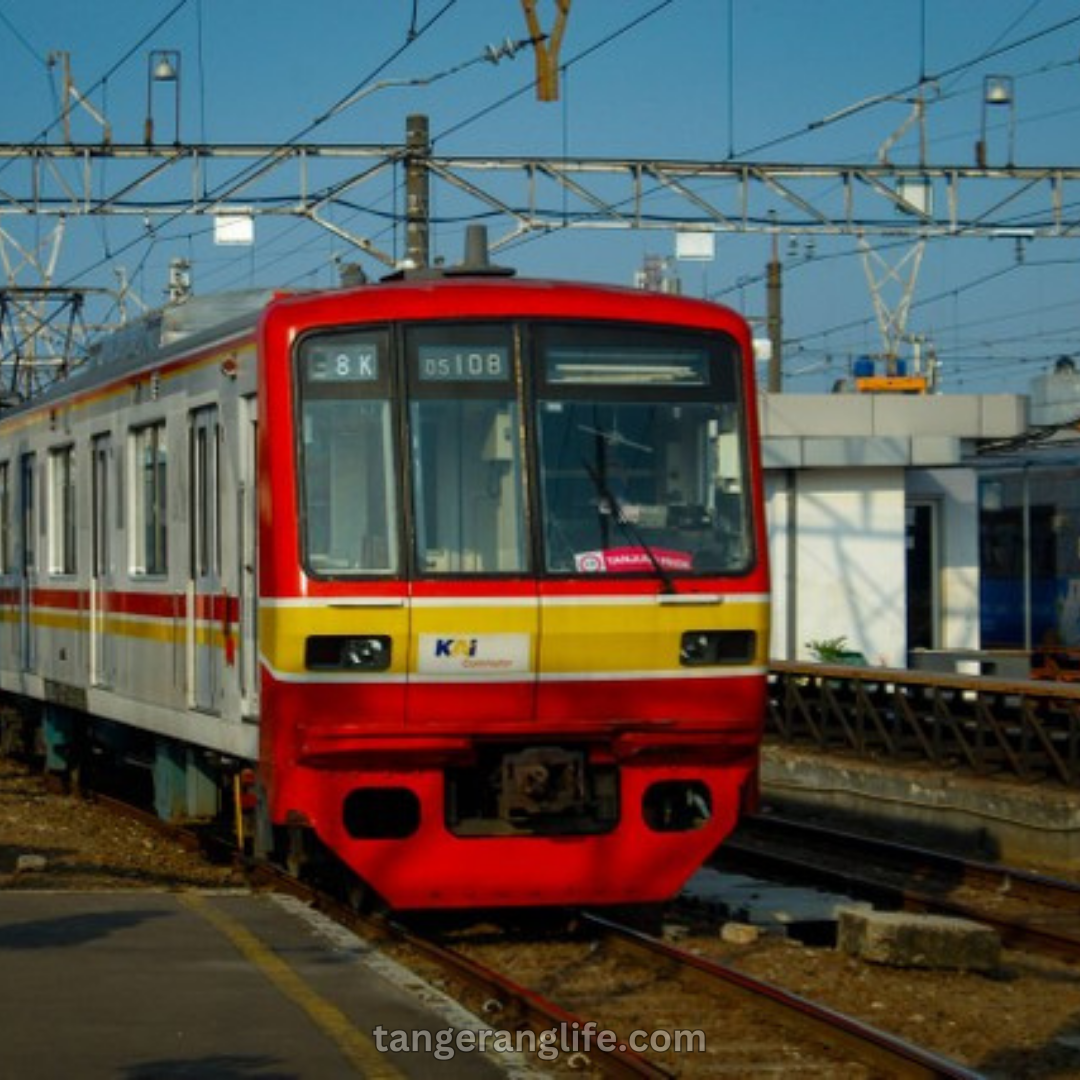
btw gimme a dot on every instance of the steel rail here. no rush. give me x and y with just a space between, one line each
517 1005
869 1045
1043 933
523 1007
514 1005
1018 882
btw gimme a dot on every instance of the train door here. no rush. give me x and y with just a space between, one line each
102 583
475 612
27 565
247 548
208 615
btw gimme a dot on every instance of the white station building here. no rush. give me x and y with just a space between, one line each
873 509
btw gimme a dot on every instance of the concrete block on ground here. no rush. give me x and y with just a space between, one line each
740 933
901 939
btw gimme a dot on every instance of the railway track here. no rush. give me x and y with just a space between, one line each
834 1041
788 1027
1030 912
865 1044
759 1026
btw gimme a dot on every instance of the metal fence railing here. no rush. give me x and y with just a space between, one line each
1025 729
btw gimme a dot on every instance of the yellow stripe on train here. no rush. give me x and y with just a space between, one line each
639 638
164 631
617 637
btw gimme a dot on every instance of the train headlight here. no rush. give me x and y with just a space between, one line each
347 652
699 648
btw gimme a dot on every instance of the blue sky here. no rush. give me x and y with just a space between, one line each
693 79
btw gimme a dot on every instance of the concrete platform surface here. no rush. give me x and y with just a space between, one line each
992 818
137 985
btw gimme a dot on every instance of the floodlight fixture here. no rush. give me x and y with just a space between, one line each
163 66
997 94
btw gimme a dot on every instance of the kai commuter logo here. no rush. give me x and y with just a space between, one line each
455 647
457 655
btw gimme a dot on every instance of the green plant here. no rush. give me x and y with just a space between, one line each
829 650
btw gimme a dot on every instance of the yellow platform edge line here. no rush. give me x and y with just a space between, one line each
357 1047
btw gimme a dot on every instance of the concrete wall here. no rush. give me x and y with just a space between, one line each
838 546
837 543
896 419
780 500
1055 396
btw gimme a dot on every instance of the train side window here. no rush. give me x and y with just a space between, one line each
204 478
28 514
6 565
100 498
62 534
149 501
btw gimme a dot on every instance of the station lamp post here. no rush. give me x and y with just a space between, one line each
163 66
997 93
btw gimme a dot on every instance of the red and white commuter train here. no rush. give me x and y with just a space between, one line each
469 572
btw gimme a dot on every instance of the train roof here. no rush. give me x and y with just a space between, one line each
155 336
204 320
195 317
442 296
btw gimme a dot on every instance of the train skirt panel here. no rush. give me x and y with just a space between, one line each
646 853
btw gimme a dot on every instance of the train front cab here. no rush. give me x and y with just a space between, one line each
514 652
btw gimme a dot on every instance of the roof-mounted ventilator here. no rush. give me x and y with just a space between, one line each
477 262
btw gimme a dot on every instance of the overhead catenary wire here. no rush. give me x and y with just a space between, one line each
588 51
354 94
393 213
966 362
238 177
103 79
908 89
21 38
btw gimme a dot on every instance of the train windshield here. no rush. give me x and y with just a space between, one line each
348 490
465 431
641 452
636 433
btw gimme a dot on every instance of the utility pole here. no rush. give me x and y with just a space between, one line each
417 195
775 319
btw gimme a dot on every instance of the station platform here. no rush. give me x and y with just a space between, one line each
145 985
996 818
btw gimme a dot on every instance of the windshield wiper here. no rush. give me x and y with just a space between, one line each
616 438
629 529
